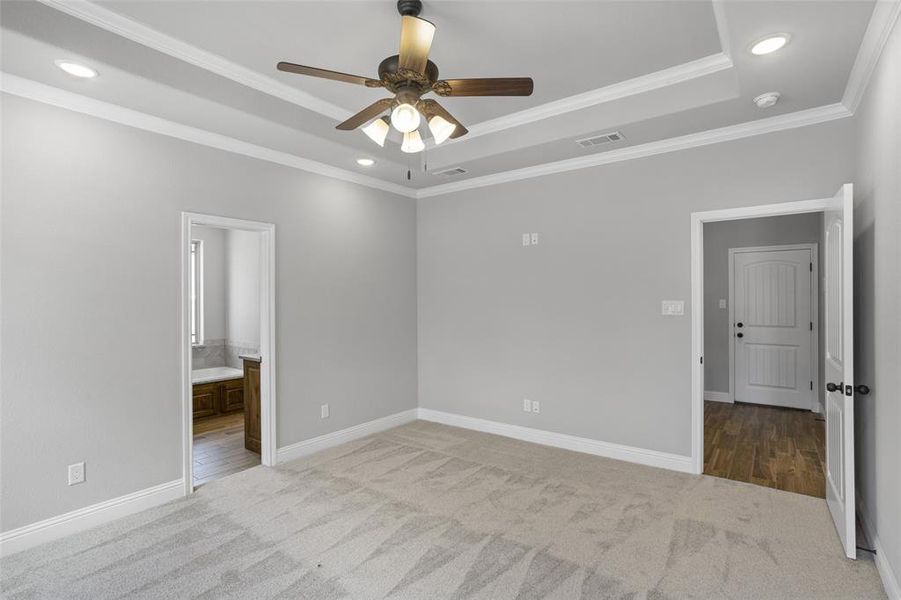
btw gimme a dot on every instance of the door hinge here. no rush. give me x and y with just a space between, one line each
702 360
811 385
811 325
811 267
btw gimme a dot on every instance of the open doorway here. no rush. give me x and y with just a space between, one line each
836 361
227 348
763 400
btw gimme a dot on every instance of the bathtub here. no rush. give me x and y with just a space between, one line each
215 374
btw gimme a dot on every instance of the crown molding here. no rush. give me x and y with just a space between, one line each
722 26
33 90
152 38
811 116
617 91
882 21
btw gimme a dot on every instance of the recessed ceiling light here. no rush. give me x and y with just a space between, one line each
770 43
767 100
76 70
365 162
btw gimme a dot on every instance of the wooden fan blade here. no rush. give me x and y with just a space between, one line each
326 74
430 108
366 115
415 42
491 86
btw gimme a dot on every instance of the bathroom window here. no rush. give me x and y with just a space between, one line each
196 292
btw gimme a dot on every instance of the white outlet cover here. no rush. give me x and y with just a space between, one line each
526 239
526 405
536 407
323 411
672 308
534 239
722 303
76 473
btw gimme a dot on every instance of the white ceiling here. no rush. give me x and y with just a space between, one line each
652 70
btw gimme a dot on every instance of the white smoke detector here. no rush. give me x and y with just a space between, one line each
767 100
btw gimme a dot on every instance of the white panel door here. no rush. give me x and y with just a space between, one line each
772 327
839 359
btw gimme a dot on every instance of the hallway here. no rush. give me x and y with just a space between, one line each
781 448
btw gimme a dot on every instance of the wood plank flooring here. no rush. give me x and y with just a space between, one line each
219 448
781 448
219 422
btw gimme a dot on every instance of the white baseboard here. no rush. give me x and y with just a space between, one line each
28 536
890 579
631 454
717 396
311 446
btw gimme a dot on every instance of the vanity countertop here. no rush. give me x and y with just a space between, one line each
252 357
213 374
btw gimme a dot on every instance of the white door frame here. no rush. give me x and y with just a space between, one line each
814 314
697 300
267 335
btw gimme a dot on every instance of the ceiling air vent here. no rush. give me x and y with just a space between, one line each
450 172
600 140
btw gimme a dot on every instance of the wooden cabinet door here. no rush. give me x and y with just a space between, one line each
252 418
231 395
205 399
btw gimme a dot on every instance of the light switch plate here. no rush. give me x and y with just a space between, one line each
323 411
526 239
672 308
722 303
526 405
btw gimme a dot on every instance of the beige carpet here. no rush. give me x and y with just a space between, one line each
426 511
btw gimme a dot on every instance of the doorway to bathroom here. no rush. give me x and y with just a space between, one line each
227 347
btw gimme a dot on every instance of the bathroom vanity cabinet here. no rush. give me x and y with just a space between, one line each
218 398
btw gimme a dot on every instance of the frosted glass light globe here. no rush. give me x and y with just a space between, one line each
405 118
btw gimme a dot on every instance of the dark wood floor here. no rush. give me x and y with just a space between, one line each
782 448
219 448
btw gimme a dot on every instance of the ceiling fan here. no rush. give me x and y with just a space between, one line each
410 75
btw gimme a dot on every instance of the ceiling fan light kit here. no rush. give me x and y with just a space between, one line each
410 75
412 142
405 118
441 128
377 131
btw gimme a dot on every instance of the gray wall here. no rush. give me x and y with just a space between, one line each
877 254
215 281
575 321
719 237
90 263
244 288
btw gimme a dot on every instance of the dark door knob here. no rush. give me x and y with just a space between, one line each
740 334
832 387
739 324
863 390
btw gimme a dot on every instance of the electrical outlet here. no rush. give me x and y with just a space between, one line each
323 411
76 473
672 308
526 239
534 239
526 405
722 303
536 407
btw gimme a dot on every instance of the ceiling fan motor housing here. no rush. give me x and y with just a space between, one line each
409 8
393 77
